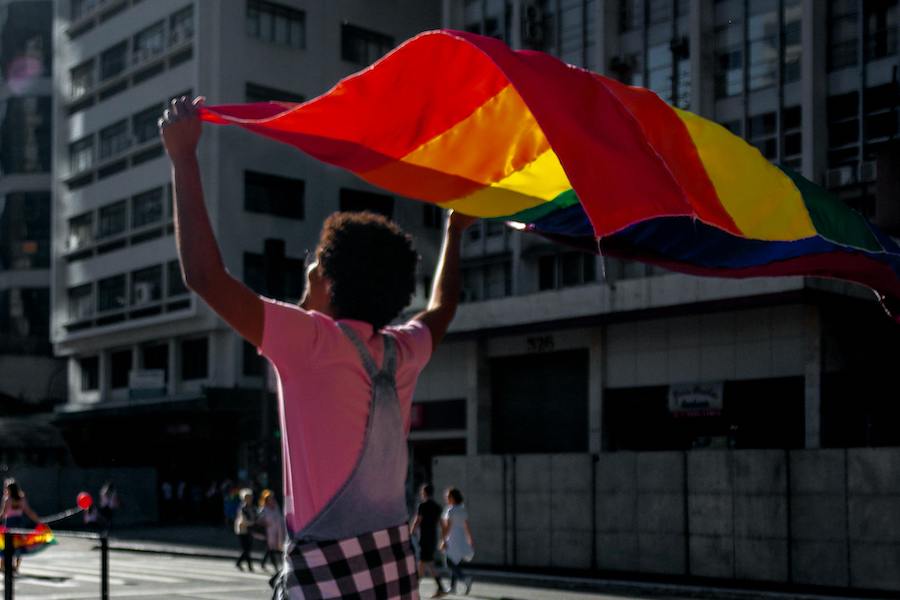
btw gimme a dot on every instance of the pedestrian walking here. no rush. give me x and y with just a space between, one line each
272 522
426 522
243 524
109 504
14 509
457 539
346 378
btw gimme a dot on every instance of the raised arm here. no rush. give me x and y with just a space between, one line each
201 262
447 285
26 508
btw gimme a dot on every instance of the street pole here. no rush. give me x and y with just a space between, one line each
104 566
8 552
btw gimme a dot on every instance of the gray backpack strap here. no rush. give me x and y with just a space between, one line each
389 364
367 360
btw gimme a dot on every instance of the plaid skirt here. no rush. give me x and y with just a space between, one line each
374 566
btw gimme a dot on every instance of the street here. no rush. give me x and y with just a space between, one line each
71 571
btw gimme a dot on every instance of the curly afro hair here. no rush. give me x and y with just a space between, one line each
371 264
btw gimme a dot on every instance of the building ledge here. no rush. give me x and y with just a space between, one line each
658 293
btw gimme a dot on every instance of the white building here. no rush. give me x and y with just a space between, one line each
154 376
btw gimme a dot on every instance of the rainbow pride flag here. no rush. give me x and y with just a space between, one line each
464 122
38 539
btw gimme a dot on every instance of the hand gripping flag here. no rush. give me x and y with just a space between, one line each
462 121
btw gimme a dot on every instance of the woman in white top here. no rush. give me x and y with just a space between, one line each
457 538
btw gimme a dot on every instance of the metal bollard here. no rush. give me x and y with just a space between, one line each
8 552
104 567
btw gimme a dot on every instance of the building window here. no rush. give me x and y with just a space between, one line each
90 373
27 32
156 357
181 26
82 79
362 46
113 61
81 231
568 269
147 208
252 362
792 137
174 280
261 93
25 126
81 302
487 282
659 70
144 124
114 139
119 368
291 272
358 201
146 286
729 79
276 23
274 195
149 42
843 129
82 7
881 104
659 11
762 57
881 28
112 220
25 231
432 216
842 33
762 131
81 154
111 293
631 15
793 49
194 359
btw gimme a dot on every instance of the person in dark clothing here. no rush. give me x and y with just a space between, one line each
428 516
243 522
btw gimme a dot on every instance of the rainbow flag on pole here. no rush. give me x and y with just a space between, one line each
32 542
464 122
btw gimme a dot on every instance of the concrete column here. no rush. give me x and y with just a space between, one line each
813 379
605 34
596 377
171 384
479 409
450 14
514 35
103 371
814 80
701 19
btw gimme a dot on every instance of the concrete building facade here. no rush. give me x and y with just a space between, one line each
30 378
141 348
561 352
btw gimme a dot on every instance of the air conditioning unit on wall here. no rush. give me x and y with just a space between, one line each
839 177
143 293
868 171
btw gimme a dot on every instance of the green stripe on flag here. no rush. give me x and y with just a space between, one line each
530 215
834 220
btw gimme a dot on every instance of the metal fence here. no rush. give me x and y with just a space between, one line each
9 552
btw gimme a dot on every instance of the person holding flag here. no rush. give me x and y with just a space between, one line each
346 377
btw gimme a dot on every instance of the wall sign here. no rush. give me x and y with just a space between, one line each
696 399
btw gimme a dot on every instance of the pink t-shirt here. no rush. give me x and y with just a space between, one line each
324 394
